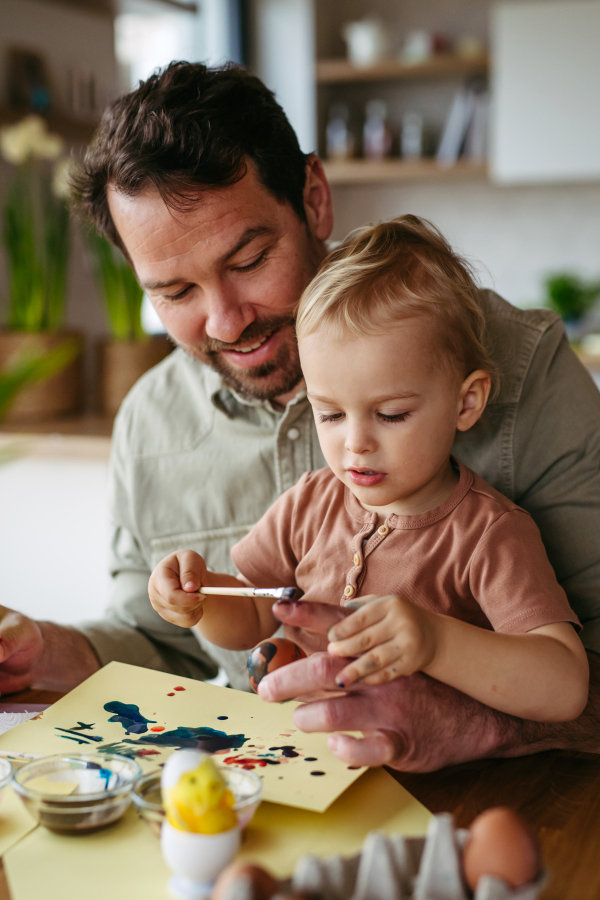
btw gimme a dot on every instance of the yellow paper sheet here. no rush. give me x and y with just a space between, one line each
125 861
15 821
268 727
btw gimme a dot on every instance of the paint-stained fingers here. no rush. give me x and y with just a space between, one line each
379 665
372 611
363 640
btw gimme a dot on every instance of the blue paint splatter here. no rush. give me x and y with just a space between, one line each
208 739
81 738
130 717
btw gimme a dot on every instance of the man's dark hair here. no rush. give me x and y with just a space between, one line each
190 127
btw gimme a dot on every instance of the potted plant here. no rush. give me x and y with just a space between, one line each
36 241
571 297
129 352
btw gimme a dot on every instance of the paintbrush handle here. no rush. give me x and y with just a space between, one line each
274 593
229 591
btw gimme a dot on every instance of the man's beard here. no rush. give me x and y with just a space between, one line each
272 379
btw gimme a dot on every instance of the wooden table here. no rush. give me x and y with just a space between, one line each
557 792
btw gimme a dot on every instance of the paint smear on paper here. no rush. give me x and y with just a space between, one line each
130 717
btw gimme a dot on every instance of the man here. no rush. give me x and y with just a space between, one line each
198 177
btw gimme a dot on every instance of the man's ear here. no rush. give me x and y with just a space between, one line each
472 398
317 199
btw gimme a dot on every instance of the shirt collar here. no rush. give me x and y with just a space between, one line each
229 401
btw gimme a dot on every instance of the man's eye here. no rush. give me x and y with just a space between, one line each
330 417
252 265
181 294
394 417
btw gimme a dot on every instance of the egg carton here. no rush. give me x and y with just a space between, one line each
401 868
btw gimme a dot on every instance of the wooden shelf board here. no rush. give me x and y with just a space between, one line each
74 131
85 425
361 171
336 71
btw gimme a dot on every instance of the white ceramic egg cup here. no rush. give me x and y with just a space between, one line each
196 860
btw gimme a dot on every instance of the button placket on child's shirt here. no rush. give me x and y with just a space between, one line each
363 544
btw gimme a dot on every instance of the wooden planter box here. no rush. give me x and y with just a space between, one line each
60 395
122 363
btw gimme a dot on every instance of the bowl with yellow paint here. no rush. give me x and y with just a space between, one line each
77 792
245 786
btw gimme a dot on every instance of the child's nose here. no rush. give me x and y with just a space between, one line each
358 440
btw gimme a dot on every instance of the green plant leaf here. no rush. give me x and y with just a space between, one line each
121 292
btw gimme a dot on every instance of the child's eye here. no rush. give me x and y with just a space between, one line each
331 417
396 417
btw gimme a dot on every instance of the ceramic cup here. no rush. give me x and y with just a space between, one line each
196 860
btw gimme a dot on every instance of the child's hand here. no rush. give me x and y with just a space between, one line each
174 588
389 635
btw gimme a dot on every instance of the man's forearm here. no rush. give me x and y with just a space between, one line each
67 659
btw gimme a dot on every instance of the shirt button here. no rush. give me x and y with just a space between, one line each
293 434
356 559
348 590
383 529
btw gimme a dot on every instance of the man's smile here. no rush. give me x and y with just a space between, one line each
254 354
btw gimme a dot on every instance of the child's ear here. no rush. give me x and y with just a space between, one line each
472 398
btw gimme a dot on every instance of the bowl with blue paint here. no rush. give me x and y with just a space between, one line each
77 792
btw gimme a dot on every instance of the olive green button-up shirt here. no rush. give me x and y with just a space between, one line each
195 466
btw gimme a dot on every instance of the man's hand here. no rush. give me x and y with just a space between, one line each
414 723
174 588
21 646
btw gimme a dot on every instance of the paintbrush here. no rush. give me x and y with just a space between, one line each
282 593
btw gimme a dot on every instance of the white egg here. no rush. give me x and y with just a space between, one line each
180 762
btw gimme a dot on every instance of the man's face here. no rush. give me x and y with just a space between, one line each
224 277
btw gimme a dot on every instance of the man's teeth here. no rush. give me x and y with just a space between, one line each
251 347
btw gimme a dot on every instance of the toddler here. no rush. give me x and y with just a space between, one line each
453 577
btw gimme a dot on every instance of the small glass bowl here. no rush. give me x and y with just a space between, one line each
6 773
84 809
245 786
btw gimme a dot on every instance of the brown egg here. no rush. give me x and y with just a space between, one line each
270 655
263 883
500 843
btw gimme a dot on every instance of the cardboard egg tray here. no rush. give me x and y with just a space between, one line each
399 868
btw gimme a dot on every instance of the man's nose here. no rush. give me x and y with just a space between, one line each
226 315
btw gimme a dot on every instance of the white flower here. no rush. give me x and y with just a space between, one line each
61 178
29 139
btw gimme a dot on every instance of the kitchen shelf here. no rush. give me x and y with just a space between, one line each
362 171
445 65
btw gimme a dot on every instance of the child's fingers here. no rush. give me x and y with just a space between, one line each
359 620
384 657
192 569
361 641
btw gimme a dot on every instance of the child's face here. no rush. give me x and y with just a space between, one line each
386 414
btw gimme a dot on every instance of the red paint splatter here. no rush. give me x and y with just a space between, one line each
246 762
170 695
284 735
148 753
158 728
179 689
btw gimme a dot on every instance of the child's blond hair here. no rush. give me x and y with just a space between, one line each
394 270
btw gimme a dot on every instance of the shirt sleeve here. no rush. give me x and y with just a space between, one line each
512 579
267 555
131 631
557 471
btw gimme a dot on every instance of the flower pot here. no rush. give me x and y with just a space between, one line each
59 395
122 363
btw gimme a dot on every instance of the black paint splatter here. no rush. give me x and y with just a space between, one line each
317 773
222 718
310 758
287 750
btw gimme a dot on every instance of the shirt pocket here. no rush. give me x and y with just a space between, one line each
214 545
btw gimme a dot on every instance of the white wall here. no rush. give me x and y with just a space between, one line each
515 235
